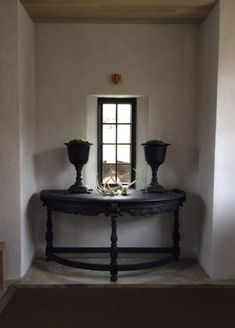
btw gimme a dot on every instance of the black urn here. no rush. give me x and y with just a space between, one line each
155 153
78 152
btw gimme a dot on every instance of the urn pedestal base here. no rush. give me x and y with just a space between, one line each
155 188
79 189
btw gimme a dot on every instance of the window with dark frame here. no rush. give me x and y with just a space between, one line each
116 140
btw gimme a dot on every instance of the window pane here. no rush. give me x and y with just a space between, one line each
123 173
123 154
109 133
109 113
124 134
124 113
109 154
108 171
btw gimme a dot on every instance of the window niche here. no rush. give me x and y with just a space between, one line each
141 120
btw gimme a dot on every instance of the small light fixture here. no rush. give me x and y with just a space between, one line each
116 78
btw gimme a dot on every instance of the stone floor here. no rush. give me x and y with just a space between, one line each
184 272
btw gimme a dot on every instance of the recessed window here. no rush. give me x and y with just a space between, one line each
116 140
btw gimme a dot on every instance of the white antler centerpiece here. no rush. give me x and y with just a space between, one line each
119 189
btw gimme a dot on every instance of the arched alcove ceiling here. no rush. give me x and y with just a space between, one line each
121 11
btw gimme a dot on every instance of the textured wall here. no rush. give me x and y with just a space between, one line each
9 135
17 128
217 140
158 62
27 135
209 45
224 205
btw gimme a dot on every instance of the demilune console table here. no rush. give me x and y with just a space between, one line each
136 204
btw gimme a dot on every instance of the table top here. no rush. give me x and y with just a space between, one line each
135 203
94 196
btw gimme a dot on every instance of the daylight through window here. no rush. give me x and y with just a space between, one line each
116 139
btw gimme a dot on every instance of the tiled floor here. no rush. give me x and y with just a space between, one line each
184 272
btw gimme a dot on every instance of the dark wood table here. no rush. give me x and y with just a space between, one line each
137 203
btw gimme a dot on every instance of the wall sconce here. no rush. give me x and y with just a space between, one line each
116 78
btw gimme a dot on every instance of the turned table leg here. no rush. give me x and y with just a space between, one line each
113 248
49 235
176 236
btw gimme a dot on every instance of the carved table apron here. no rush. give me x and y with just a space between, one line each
136 203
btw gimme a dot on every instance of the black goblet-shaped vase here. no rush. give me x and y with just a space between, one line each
155 154
78 155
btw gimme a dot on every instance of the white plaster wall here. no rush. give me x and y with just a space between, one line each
10 224
209 46
157 62
27 135
224 185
